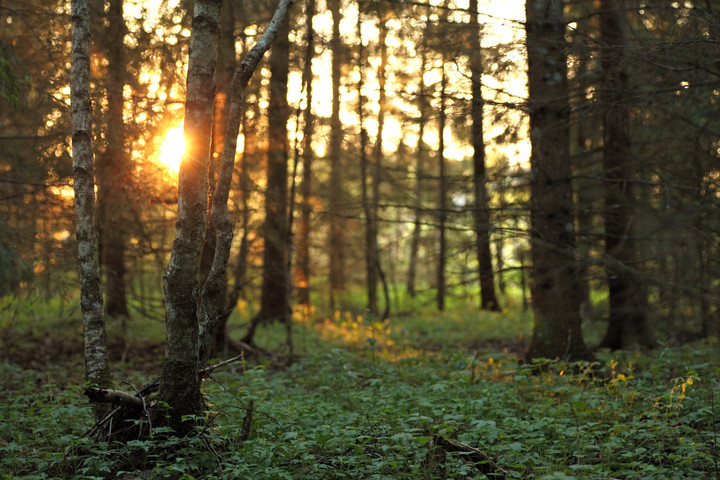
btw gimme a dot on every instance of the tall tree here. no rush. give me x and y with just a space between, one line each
442 193
114 170
225 66
481 210
306 189
97 371
557 331
189 330
180 382
627 297
419 169
336 195
274 301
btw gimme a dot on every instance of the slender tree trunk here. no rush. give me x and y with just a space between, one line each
225 66
627 297
274 300
180 382
488 298
419 169
557 330
373 261
442 199
367 210
114 172
337 195
303 270
97 371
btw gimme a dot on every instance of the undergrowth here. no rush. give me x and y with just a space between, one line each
369 409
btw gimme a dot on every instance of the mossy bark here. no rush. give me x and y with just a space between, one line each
180 382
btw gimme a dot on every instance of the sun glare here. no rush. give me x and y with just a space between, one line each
171 150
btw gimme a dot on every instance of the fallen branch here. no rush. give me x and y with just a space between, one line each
483 463
115 397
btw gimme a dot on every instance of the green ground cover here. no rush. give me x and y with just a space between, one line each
365 399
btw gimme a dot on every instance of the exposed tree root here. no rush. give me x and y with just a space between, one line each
131 419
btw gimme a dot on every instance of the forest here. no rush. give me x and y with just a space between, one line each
372 239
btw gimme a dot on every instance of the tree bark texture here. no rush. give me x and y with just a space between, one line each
488 297
214 288
337 195
303 260
557 330
180 383
97 372
627 297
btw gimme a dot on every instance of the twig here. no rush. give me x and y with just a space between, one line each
247 422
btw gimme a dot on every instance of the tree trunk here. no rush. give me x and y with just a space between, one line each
488 298
337 195
557 330
373 249
303 269
627 297
442 200
180 382
364 189
114 172
274 300
419 168
97 371
223 98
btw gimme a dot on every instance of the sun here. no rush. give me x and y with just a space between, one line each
172 149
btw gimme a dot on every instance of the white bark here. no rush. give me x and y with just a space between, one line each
91 301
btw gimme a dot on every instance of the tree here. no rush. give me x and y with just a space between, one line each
627 298
419 169
307 160
442 193
189 331
180 382
336 195
557 330
481 211
97 371
274 300
114 170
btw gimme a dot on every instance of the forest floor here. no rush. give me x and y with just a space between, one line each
421 396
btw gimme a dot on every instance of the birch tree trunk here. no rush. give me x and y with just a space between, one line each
97 371
180 382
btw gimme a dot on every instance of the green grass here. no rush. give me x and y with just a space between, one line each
365 397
